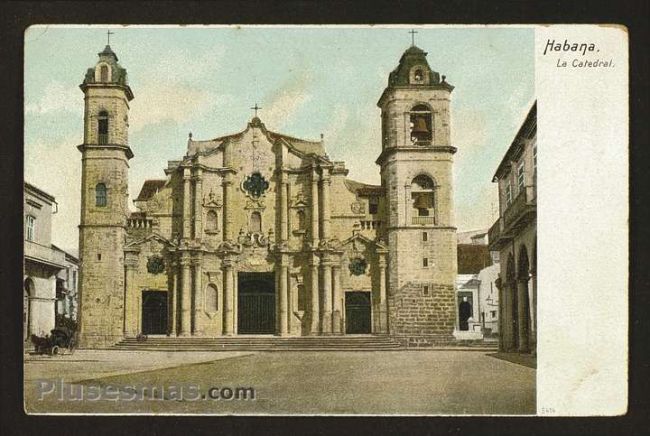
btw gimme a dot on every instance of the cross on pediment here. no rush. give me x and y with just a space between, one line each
108 36
256 108
413 32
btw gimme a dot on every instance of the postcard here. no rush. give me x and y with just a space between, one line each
326 220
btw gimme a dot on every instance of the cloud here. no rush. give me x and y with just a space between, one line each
284 103
162 102
468 130
57 97
56 169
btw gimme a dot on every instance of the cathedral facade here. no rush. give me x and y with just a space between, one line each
263 233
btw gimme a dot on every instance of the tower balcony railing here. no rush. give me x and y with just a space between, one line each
423 220
102 138
139 223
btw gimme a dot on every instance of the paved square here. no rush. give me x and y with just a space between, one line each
337 382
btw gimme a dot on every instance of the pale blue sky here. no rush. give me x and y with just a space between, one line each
308 80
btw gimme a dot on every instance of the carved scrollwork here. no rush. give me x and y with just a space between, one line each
358 207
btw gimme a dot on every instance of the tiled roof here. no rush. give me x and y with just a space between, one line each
149 188
472 258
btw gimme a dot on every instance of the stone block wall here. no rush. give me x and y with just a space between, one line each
417 318
101 290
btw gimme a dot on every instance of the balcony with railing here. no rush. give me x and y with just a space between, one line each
519 213
139 223
522 207
102 138
44 254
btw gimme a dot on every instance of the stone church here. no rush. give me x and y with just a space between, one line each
262 233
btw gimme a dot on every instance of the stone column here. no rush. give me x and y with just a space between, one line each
227 211
499 287
228 296
282 193
198 198
173 322
326 295
186 299
337 304
314 208
131 327
533 313
187 229
522 314
325 203
235 300
383 310
283 301
315 300
408 208
506 315
197 294
33 315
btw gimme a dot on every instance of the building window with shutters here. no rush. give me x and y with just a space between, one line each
508 194
520 177
30 227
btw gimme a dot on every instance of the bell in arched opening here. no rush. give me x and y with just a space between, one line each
420 131
421 201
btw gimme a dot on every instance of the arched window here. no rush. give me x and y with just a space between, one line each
211 298
102 127
30 227
103 73
256 222
421 125
423 196
211 221
300 215
100 195
418 76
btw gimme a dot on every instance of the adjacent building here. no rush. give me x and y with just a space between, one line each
474 260
514 235
42 263
66 288
260 232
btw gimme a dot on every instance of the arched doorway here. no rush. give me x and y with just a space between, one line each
523 276
154 312
28 293
357 312
464 313
256 303
510 291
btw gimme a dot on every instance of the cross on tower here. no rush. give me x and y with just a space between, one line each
108 36
256 108
412 32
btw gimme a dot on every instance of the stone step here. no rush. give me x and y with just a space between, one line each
262 343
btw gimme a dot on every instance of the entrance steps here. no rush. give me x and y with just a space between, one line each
262 343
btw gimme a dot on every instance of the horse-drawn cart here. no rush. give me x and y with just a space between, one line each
60 340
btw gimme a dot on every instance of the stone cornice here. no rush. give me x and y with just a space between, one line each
125 148
430 149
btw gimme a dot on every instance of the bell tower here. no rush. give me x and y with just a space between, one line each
105 153
416 172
